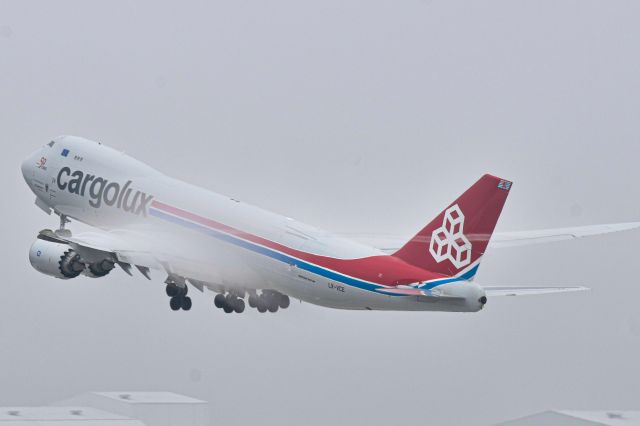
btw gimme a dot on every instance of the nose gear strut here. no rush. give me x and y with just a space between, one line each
62 231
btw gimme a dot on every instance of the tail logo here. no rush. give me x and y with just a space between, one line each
449 241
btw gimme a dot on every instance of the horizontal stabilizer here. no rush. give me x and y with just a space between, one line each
526 291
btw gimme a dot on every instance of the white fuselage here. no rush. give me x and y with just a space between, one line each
202 236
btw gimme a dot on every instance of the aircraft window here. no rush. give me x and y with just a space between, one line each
52 143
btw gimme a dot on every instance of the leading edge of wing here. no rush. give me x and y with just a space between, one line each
494 291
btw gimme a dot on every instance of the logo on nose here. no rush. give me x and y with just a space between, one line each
449 242
42 163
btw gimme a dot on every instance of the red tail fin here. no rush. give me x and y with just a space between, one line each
457 238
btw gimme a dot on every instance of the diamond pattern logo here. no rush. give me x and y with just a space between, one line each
449 241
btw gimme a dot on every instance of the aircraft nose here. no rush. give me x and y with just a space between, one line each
31 163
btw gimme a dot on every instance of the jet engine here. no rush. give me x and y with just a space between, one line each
61 261
55 259
99 269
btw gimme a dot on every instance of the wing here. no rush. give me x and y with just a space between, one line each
124 249
391 244
145 250
527 291
511 239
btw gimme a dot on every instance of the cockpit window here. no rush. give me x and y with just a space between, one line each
52 143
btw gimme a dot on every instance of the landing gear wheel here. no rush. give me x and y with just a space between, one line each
172 290
175 303
252 301
227 309
186 303
238 306
261 304
219 301
273 308
284 301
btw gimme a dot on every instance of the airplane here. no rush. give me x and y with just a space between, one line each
141 219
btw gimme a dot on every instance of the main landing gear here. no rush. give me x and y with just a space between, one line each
267 300
179 299
229 303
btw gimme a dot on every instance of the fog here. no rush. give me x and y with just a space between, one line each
358 117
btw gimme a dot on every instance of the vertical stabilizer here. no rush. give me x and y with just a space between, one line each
453 243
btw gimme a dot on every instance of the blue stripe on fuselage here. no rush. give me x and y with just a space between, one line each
466 276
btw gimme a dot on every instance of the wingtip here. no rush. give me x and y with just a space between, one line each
629 225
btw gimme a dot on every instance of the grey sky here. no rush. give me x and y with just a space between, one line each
358 116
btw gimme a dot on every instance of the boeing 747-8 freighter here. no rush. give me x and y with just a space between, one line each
144 220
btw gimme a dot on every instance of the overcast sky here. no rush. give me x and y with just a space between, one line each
355 116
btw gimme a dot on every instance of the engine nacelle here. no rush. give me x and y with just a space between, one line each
99 269
55 259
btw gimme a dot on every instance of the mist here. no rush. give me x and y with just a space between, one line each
356 117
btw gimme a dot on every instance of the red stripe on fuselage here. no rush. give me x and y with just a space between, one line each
384 269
